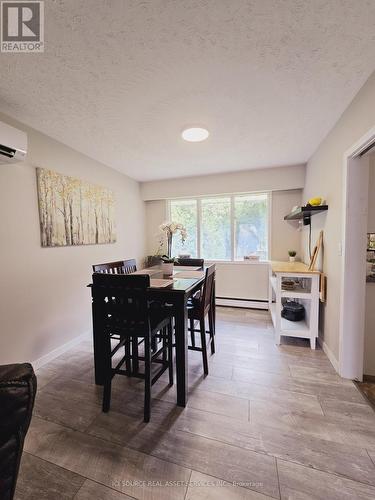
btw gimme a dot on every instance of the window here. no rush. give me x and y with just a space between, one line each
222 227
250 225
215 229
185 212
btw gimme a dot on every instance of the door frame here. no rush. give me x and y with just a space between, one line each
353 270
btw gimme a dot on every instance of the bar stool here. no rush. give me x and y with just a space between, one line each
122 308
199 308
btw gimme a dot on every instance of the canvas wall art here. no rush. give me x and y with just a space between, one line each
74 212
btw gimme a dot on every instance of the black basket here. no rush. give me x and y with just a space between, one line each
293 311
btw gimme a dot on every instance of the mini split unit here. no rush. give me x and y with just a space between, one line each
13 144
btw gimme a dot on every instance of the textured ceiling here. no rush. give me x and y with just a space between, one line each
120 79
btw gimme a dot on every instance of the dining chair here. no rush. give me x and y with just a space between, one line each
119 267
121 307
190 262
130 266
199 308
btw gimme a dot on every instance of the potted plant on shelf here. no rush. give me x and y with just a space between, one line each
292 255
168 230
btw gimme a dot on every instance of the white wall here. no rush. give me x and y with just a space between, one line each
268 179
242 280
369 351
156 213
285 235
324 177
44 302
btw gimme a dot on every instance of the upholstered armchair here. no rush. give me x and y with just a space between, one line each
17 395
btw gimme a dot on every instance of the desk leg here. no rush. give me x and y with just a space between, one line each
98 348
181 352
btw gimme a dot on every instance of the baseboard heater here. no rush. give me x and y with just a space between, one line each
243 303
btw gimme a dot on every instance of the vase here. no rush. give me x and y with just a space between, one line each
292 259
169 244
167 268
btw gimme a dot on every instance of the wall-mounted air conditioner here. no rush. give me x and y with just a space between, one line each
13 144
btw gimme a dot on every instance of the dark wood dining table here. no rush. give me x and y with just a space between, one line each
176 293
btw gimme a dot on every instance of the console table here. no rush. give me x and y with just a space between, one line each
306 293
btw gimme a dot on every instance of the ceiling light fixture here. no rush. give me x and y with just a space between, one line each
195 134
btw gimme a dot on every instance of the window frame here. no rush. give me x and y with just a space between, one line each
232 197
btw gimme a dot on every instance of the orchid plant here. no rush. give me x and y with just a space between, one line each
167 231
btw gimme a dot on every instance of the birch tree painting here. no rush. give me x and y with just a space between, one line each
73 212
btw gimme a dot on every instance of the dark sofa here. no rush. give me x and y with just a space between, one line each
17 394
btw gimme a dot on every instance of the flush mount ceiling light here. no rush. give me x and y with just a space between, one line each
195 134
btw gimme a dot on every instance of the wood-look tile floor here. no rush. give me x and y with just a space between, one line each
367 387
268 422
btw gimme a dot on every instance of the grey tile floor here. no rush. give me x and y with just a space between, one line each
268 422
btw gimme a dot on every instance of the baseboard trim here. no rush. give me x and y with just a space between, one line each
242 303
329 354
43 360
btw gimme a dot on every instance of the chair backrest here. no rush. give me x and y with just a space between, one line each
119 267
120 303
208 288
130 266
190 262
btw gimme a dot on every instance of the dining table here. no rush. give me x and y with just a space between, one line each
174 290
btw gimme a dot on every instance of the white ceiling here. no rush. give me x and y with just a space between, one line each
120 79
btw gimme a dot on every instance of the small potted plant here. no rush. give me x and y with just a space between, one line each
292 255
167 264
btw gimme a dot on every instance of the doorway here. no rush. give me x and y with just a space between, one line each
353 273
367 387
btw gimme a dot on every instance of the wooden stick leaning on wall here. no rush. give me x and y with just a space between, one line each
323 287
315 253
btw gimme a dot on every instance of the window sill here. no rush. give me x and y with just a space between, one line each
239 262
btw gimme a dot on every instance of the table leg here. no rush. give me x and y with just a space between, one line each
98 348
214 308
181 352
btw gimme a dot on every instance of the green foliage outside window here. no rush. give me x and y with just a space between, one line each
223 222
